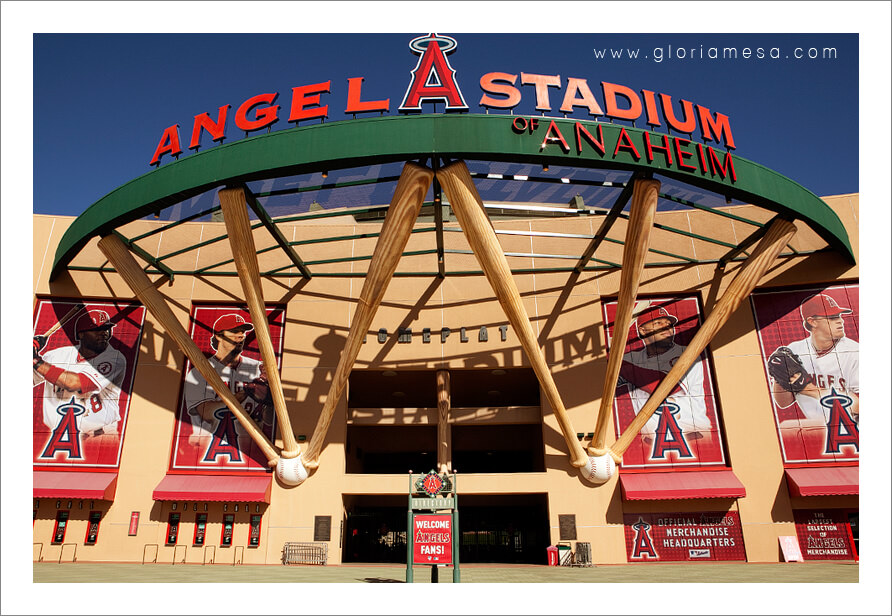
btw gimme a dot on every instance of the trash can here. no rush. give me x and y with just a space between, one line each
564 555
553 559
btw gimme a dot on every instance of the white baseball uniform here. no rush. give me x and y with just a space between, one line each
101 407
835 370
692 415
198 390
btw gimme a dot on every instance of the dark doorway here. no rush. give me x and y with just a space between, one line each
510 528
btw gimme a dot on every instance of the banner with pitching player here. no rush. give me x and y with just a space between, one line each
83 365
685 431
809 344
207 436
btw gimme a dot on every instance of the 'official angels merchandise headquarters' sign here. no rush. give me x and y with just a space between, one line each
699 536
207 436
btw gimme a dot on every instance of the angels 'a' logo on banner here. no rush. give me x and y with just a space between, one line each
685 430
642 542
208 436
84 359
809 343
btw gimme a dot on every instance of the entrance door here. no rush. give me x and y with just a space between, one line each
504 529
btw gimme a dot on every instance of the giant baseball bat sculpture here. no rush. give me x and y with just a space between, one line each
641 218
779 233
401 216
244 252
119 256
468 208
444 434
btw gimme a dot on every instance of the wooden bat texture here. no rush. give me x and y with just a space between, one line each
401 216
468 208
641 217
119 256
444 434
244 252
743 284
68 316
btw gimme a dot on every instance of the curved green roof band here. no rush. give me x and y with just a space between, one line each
352 143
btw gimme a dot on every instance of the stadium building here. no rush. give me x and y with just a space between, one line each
444 292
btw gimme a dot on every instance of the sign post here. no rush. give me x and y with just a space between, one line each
432 524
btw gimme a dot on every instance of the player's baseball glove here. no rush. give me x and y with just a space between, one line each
259 390
787 370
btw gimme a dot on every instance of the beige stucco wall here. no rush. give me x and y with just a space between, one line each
565 311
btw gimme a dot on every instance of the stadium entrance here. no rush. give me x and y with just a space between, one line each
509 528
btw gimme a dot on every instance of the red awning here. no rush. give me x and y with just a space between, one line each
214 488
75 484
681 485
822 480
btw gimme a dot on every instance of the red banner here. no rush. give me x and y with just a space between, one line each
432 539
824 535
685 430
706 535
207 436
809 343
84 362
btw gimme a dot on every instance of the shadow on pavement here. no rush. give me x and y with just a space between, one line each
380 580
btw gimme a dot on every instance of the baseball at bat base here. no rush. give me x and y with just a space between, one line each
599 469
291 471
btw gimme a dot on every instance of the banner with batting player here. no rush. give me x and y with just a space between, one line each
84 359
809 343
685 431
207 436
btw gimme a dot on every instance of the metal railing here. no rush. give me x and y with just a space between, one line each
73 555
235 555
304 553
179 545
39 552
204 559
582 557
146 547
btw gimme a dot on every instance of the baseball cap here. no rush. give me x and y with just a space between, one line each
232 321
652 314
92 319
821 305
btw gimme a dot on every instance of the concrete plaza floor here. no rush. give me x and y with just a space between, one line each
818 572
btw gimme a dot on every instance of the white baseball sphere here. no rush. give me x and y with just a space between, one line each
599 469
291 471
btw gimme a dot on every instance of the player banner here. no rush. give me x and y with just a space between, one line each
707 535
207 436
809 344
824 535
685 430
83 365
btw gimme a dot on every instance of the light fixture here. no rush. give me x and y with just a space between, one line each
325 174
494 393
544 167
498 372
399 394
388 373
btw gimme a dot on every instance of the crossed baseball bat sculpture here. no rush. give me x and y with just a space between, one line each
598 464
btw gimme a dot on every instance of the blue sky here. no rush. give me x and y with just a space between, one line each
102 101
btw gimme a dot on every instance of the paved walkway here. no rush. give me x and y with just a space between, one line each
822 572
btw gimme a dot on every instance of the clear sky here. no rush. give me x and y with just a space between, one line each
102 101
83 113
